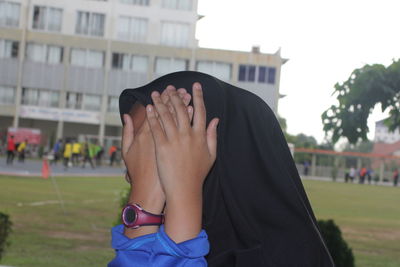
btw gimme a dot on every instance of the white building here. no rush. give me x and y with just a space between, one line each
63 64
383 135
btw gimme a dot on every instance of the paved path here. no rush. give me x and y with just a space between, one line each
34 168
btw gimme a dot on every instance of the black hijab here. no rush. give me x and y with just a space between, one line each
255 212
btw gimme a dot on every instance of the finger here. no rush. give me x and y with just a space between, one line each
167 119
166 101
199 118
212 138
127 134
165 95
184 95
186 99
180 110
190 112
155 126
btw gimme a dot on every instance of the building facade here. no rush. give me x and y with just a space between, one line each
383 135
63 64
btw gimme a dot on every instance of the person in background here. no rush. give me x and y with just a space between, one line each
395 177
306 167
369 175
56 151
76 152
112 152
67 153
346 177
363 173
88 154
352 174
10 150
21 150
99 154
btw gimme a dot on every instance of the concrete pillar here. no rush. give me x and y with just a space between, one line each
60 129
313 164
21 52
107 68
381 170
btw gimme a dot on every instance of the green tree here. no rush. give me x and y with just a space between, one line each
357 97
5 230
340 251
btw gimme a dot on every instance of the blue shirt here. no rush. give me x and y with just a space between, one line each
157 250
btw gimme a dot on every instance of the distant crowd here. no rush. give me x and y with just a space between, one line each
363 174
69 151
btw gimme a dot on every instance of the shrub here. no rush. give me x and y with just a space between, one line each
5 230
124 197
341 253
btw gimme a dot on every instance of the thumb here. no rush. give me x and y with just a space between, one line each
212 137
127 134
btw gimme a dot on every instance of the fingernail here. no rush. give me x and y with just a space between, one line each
155 93
149 108
124 117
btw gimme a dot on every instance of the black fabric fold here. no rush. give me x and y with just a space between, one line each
255 212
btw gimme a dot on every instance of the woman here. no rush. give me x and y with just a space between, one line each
255 210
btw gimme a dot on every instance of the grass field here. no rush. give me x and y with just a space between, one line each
369 217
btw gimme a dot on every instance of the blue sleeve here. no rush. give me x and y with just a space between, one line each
157 250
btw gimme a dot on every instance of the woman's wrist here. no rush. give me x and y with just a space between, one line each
150 200
183 216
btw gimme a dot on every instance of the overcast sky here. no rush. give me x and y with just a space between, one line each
324 41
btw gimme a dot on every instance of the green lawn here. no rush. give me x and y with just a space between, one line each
44 236
369 217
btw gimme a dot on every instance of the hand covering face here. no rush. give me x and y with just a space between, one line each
255 211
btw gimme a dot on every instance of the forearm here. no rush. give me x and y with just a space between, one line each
183 215
151 201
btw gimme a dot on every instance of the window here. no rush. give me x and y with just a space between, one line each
44 53
91 102
266 74
175 34
132 29
39 97
88 23
168 65
218 69
251 74
7 95
136 2
9 14
87 58
177 4
113 104
262 74
47 18
271 75
247 73
121 61
8 49
130 62
74 100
